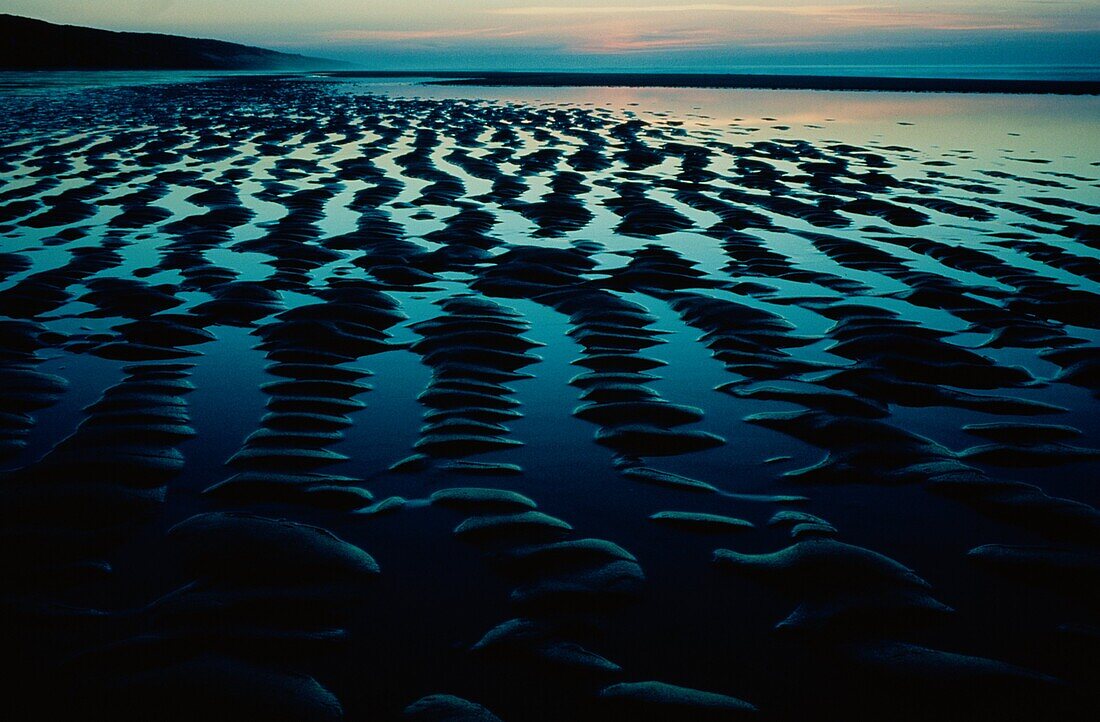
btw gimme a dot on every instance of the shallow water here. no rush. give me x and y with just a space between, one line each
885 268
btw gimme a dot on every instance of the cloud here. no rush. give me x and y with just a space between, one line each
847 16
652 41
625 9
355 35
720 29
437 37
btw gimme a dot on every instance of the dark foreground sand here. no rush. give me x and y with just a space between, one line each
316 405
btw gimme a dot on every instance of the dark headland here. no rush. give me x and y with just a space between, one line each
31 44
746 81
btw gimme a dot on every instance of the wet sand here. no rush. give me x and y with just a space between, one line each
321 401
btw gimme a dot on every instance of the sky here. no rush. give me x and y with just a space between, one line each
618 34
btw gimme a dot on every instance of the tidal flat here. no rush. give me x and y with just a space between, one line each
358 398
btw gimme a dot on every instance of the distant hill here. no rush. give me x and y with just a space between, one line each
30 44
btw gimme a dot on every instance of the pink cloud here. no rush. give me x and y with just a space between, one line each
852 17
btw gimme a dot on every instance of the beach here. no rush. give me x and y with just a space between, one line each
328 394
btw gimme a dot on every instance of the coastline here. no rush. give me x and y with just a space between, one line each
742 81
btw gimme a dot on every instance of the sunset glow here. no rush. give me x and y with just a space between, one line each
507 33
